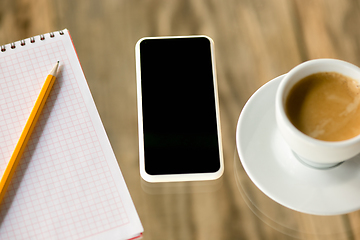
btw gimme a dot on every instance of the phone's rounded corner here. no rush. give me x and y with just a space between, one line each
137 45
209 38
219 173
211 41
214 175
146 177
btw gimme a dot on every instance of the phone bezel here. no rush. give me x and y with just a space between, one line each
176 177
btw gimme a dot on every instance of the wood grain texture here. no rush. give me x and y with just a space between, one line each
255 41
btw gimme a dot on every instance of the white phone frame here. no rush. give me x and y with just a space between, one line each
176 177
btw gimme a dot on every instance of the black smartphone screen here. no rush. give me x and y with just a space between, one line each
179 106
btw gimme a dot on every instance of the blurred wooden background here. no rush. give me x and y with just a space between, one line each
255 40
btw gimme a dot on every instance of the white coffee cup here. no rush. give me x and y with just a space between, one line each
314 152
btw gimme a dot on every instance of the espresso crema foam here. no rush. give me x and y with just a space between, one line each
325 106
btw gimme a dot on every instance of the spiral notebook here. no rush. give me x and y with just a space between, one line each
68 184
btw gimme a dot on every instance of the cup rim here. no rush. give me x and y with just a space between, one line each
279 101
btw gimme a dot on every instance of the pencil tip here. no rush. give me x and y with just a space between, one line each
55 68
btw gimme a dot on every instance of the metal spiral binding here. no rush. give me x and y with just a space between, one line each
31 39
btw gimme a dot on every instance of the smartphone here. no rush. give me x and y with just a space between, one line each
178 109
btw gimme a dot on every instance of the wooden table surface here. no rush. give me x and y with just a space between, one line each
255 40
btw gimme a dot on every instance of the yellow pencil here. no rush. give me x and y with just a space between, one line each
26 133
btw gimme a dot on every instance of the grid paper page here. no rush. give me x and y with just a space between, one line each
67 184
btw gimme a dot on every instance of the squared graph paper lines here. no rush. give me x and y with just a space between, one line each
63 187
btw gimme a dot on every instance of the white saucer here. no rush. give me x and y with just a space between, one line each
275 170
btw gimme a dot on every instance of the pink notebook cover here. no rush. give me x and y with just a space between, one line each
68 184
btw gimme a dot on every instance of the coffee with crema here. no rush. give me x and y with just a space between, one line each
325 106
